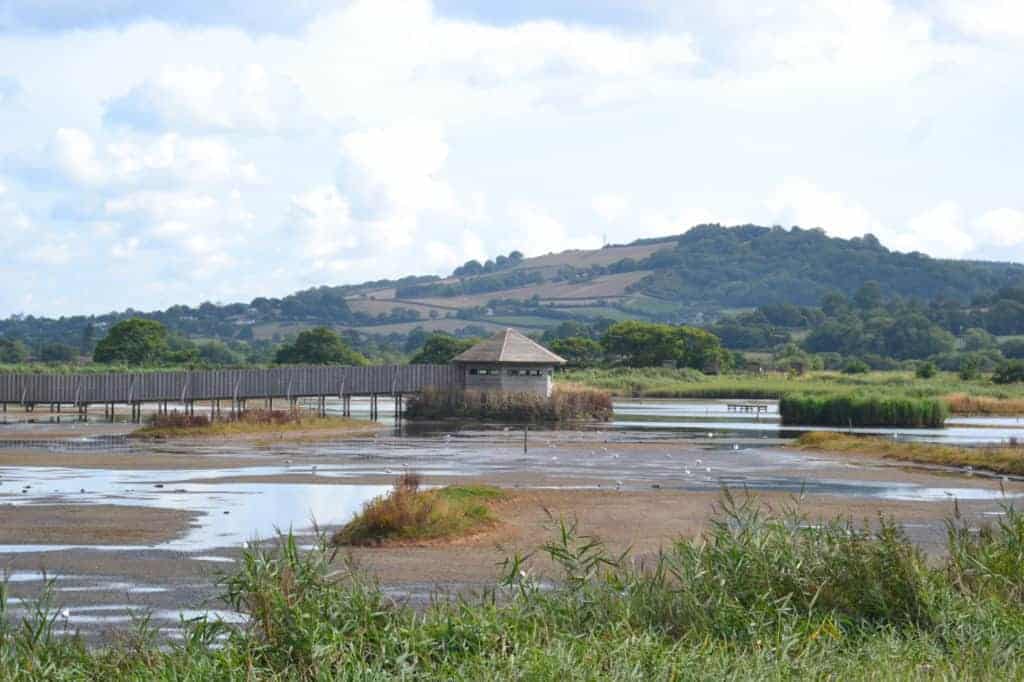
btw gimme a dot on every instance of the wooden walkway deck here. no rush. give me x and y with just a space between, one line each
237 386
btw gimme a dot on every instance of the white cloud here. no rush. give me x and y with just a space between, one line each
939 231
199 98
1002 227
539 233
610 207
798 201
320 219
164 159
1000 19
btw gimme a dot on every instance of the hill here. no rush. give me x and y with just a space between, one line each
696 276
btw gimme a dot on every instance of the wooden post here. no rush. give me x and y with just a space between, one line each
526 430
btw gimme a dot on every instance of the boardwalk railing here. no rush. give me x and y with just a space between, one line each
236 384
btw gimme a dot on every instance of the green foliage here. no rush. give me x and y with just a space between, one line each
439 349
318 346
750 266
862 410
58 352
578 351
135 341
12 351
856 366
926 370
646 344
219 353
1013 348
563 405
1010 372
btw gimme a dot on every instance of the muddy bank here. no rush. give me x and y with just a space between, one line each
57 524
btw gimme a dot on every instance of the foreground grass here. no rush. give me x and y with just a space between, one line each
961 397
1001 460
755 598
250 422
408 513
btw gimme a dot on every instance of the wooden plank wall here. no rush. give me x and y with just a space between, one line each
281 382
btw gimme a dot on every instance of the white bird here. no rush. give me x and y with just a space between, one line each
615 456
687 472
735 446
65 613
707 469
699 462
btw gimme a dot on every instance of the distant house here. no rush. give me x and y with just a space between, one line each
509 362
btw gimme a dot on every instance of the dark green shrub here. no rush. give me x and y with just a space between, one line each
856 366
1010 372
926 370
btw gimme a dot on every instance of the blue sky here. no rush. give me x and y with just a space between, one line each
162 153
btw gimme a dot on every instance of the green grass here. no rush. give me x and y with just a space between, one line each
1001 460
407 513
779 597
685 383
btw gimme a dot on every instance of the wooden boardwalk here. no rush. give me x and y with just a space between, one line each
236 385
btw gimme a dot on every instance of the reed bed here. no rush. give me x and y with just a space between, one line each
564 404
862 410
1003 459
407 513
758 596
180 424
979 396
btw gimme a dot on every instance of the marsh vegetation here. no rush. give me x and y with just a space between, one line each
756 596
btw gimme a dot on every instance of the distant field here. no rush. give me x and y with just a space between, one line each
524 321
599 287
449 325
584 259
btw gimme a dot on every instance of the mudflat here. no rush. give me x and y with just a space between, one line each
104 524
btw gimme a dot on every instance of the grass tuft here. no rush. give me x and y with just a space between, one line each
407 513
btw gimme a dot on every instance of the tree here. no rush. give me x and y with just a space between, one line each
1010 372
88 340
134 341
868 296
318 346
57 352
578 351
439 349
647 344
1013 348
12 351
218 353
978 339
926 370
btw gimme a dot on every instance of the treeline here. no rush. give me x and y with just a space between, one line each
754 266
880 331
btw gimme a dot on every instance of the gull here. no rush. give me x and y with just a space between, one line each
686 471
615 455
65 613
735 446
699 462
707 469
618 484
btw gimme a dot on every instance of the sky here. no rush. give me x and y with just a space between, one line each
155 154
